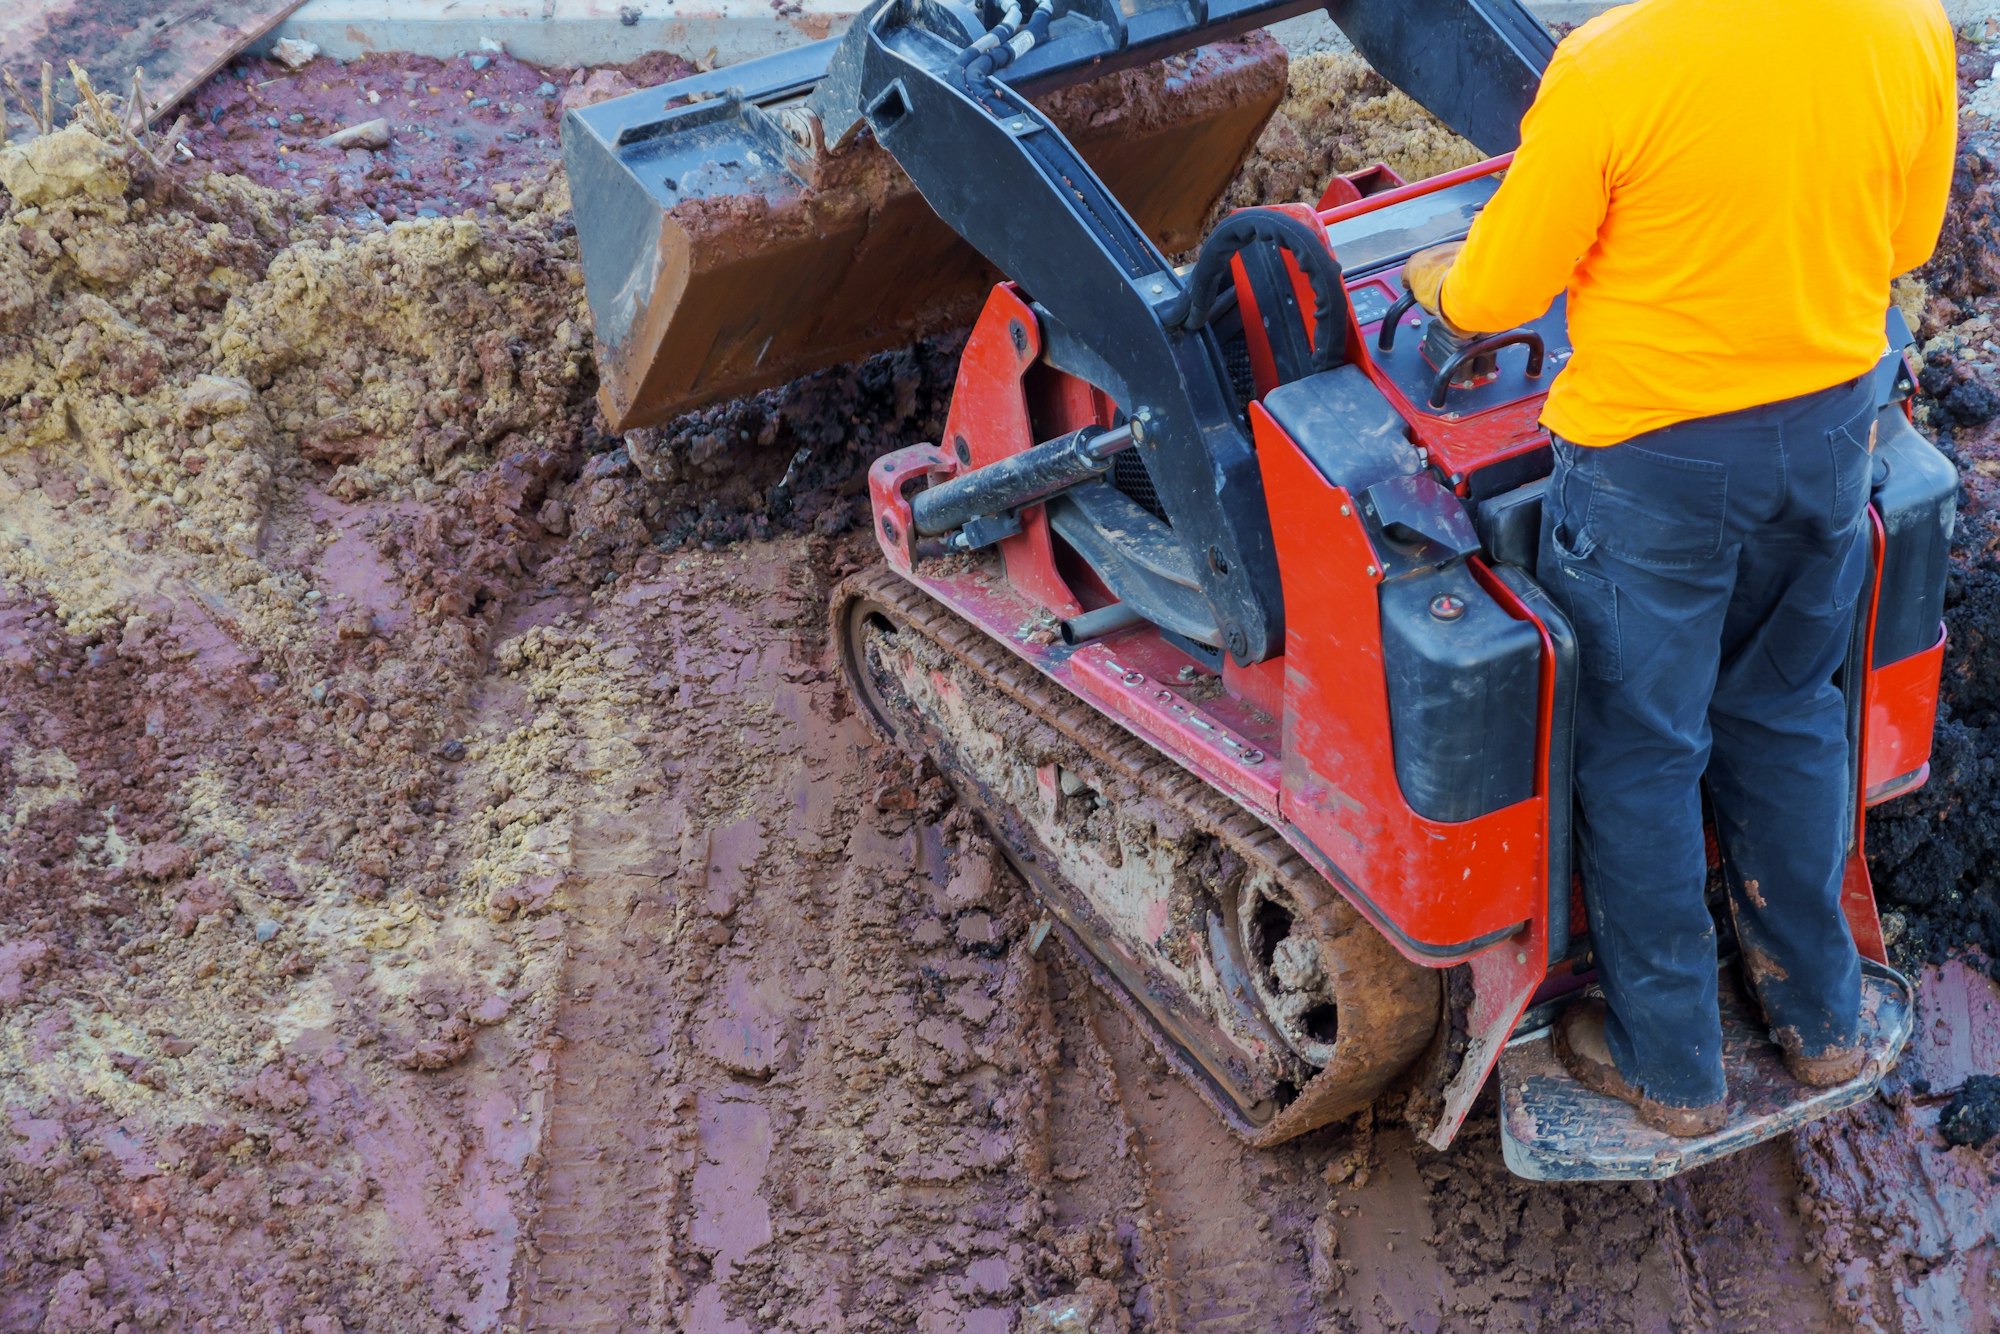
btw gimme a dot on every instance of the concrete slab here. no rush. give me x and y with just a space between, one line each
722 32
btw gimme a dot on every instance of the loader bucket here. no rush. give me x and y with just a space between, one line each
727 248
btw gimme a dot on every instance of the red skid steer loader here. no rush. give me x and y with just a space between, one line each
1218 598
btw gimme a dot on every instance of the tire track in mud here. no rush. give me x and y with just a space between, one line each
608 1179
1227 1262
795 1085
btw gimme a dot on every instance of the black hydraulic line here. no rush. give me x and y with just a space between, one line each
1033 474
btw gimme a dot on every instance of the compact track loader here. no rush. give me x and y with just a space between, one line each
1217 599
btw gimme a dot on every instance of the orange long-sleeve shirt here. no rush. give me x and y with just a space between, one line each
1725 188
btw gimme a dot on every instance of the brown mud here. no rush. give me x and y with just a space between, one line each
444 885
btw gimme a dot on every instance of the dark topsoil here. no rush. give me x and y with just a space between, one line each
1934 854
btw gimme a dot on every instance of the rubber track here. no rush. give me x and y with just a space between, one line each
1410 994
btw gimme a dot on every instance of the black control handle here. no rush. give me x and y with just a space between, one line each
1537 354
1386 339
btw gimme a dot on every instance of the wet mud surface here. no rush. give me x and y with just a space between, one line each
443 883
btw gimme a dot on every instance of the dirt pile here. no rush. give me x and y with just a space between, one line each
266 860
1340 116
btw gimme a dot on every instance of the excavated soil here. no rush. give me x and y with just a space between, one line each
444 885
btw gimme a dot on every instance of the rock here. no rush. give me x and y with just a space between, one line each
601 86
341 438
545 89
481 62
20 960
164 861
447 1049
1323 1258
272 1089
203 898
266 929
106 257
293 52
373 134
978 930
526 900
60 166
492 1010
212 397
617 463
1093 1308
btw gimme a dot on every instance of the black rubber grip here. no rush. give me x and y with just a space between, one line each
1305 244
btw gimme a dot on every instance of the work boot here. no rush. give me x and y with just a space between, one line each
1835 1065
1581 1047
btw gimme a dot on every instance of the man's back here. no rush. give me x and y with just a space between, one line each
1735 184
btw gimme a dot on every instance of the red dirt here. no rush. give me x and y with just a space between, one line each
456 133
443 885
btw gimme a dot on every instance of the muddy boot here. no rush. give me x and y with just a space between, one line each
1581 1047
1835 1065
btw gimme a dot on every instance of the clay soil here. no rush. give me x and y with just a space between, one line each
443 884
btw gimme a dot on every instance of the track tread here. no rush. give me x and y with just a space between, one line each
1410 994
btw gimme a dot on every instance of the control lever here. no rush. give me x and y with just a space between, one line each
1385 340
1484 347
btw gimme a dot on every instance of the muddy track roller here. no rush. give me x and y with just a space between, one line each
1251 975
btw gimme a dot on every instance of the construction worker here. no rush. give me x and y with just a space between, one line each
1725 190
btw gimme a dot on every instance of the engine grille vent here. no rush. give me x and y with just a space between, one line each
1128 474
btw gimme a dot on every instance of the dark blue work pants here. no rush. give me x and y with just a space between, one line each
1711 570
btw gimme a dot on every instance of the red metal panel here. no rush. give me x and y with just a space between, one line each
1380 178
890 483
1902 715
1434 884
1263 369
989 421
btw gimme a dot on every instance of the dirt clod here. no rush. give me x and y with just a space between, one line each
1972 1117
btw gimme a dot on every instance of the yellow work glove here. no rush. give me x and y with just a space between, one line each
1424 276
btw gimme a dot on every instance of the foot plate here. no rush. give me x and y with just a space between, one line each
1554 1129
